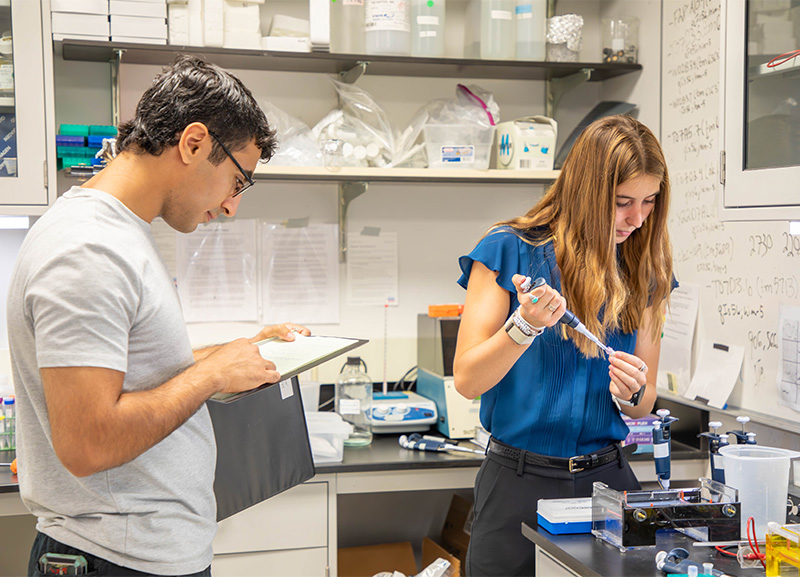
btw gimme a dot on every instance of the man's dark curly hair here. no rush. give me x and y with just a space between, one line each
192 90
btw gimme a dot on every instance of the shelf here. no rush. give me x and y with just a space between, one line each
92 51
763 71
6 102
402 175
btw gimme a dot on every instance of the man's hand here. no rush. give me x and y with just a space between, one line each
285 331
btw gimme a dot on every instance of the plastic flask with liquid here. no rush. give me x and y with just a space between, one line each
353 400
387 27
531 27
347 26
427 28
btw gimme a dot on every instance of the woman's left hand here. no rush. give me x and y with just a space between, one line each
285 331
628 374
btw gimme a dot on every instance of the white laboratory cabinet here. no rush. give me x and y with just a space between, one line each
760 111
27 154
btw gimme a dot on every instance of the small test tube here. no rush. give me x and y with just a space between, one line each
708 569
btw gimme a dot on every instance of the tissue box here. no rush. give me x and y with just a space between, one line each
527 143
326 434
565 516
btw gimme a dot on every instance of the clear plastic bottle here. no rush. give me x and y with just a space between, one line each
531 25
427 28
354 401
490 30
347 26
9 422
387 27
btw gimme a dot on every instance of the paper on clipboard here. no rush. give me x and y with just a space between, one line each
294 357
718 369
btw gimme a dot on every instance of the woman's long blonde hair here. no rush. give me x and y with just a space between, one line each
606 291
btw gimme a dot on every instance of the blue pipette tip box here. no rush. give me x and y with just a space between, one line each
565 516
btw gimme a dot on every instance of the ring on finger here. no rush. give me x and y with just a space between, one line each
551 308
534 299
643 368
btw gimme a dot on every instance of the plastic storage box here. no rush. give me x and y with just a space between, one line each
565 516
326 434
458 145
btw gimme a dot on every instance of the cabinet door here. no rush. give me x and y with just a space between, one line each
23 137
760 121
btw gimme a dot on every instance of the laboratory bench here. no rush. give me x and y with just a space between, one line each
377 494
583 555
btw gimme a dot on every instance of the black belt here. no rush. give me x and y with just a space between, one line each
571 464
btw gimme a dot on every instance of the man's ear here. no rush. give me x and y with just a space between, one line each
195 143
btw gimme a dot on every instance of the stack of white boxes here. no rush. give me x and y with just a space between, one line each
138 21
215 23
79 19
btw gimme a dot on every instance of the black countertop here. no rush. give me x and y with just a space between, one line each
592 557
386 454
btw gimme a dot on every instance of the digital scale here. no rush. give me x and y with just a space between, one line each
402 412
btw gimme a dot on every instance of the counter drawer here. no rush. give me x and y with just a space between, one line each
295 519
295 563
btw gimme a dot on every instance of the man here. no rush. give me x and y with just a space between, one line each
116 449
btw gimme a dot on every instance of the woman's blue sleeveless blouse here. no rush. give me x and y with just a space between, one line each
554 400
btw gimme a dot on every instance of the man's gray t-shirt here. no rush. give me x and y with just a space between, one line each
90 289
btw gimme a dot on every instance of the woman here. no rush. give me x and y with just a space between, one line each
549 396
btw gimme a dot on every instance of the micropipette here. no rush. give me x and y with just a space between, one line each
569 317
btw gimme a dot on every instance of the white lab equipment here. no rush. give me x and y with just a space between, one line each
531 29
347 27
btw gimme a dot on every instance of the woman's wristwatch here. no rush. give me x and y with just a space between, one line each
520 330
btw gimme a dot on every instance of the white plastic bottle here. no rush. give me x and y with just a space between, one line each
10 422
427 28
531 28
354 402
387 27
347 26
497 29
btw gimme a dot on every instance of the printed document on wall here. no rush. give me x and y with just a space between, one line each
372 269
675 364
300 274
718 369
789 362
216 270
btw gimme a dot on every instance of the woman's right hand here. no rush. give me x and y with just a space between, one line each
542 307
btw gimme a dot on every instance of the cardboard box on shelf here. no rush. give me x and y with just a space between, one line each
456 530
369 560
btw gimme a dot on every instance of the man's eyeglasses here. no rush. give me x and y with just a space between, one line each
249 181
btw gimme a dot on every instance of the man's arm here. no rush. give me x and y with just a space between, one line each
95 426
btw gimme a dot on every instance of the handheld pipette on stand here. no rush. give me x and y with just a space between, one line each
662 437
743 437
715 441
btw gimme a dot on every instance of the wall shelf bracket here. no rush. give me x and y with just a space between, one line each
558 87
348 192
350 76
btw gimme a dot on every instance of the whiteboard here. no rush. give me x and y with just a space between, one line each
744 271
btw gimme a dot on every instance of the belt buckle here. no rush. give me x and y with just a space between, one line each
573 468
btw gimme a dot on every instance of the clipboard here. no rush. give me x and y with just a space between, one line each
294 357
262 447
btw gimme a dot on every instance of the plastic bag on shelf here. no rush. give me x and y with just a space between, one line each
296 144
364 125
